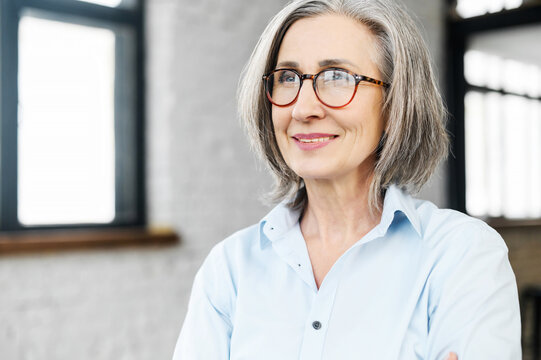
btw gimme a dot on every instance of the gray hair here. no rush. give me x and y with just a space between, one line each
414 140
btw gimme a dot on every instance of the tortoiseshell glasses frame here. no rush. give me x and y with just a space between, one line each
268 79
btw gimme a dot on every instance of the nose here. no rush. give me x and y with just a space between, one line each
307 107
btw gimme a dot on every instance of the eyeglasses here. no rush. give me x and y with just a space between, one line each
334 87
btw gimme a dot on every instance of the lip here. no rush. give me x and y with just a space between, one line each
313 144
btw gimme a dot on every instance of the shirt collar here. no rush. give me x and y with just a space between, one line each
281 219
278 222
398 200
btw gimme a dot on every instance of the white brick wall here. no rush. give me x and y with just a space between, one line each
202 179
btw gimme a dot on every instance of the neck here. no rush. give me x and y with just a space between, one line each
337 213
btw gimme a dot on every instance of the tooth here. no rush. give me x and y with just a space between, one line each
315 140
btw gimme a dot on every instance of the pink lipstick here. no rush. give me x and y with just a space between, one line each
313 141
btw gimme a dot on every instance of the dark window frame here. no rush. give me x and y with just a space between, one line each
10 14
457 34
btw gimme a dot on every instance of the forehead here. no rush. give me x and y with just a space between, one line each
332 36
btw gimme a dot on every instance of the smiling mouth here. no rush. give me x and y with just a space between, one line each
314 140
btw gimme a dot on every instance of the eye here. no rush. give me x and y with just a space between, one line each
335 75
287 77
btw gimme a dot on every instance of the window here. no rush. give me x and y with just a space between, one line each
71 114
494 97
471 8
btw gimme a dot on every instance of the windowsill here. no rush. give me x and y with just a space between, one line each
59 240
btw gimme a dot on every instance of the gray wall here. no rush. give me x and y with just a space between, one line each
202 180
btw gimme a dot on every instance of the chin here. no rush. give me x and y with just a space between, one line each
316 174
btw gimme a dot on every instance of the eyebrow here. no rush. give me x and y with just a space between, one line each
334 62
322 63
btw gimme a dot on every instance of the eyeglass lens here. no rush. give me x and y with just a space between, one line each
333 87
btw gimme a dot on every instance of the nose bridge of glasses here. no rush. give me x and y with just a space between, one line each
307 104
309 77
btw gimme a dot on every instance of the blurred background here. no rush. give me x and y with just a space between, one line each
122 160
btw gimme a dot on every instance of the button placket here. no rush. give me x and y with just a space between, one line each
316 326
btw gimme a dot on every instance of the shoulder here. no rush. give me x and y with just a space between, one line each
232 256
461 250
218 276
441 228
471 285
446 227
229 250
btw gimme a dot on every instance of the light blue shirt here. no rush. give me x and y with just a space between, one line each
422 283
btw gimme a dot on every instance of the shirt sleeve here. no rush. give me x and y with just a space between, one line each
475 311
206 332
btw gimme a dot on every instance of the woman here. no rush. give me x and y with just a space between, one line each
340 100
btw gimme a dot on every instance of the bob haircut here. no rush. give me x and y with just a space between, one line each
414 139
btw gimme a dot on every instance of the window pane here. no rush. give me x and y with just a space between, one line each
516 173
503 154
535 163
494 153
470 8
66 123
503 129
483 69
515 77
113 3
476 197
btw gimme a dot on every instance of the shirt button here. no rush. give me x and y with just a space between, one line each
316 325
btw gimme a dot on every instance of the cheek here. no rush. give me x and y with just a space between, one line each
280 129
372 124
279 121
365 130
